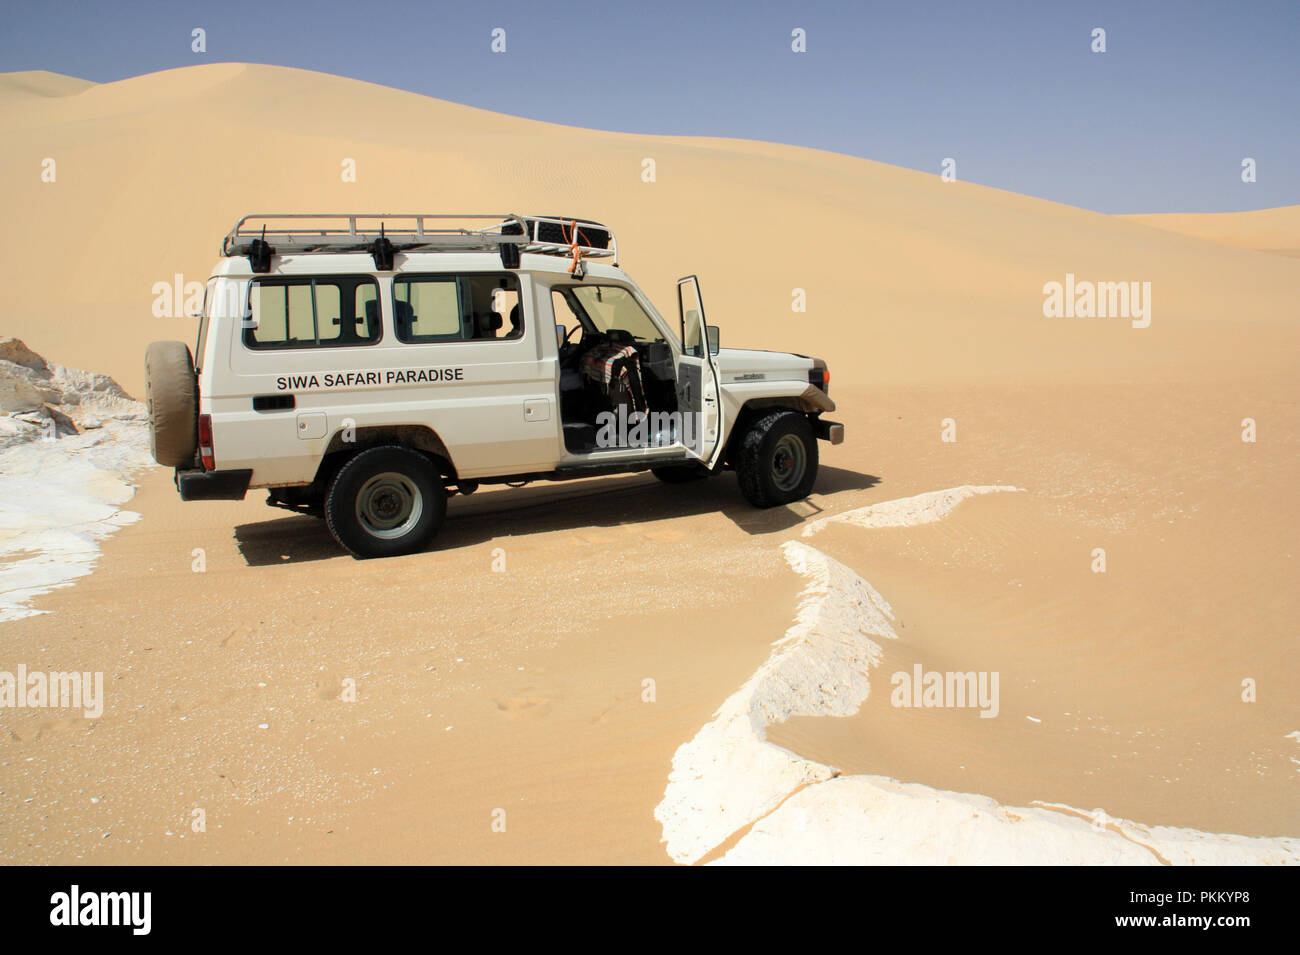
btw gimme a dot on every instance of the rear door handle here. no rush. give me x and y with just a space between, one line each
273 402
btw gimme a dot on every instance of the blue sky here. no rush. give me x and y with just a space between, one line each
1160 122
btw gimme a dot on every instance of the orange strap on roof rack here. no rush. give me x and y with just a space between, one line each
577 269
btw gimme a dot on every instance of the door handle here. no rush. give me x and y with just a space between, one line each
273 402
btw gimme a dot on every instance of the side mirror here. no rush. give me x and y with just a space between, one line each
711 331
560 333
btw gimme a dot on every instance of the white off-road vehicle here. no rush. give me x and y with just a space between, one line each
364 367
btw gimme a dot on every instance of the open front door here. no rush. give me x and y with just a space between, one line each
698 392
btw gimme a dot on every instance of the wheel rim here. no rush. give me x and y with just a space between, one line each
789 459
389 505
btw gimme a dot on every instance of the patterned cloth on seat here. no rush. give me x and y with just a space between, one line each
616 369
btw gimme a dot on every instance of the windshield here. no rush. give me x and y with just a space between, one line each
611 306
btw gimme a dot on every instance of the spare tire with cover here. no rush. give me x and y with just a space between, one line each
172 392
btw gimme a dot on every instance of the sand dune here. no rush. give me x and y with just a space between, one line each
40 83
908 278
1268 230
226 630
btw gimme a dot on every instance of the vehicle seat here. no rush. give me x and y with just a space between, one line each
615 370
486 325
403 316
371 328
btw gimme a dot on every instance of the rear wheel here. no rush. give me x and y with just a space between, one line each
777 459
384 502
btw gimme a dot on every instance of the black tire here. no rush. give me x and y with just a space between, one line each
679 473
384 502
777 459
172 393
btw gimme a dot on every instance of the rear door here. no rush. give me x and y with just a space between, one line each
697 378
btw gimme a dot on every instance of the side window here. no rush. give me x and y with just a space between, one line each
505 305
312 312
329 314
366 317
564 313
495 310
428 309
209 300
688 303
446 308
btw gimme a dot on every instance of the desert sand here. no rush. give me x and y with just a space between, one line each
1268 230
525 690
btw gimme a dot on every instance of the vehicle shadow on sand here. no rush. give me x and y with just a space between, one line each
557 506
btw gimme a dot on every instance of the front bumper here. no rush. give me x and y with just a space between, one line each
831 431
196 484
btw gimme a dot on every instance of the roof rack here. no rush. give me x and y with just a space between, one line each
262 235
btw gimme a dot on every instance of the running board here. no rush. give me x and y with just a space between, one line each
570 472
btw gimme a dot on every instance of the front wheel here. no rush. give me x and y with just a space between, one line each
384 502
777 459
